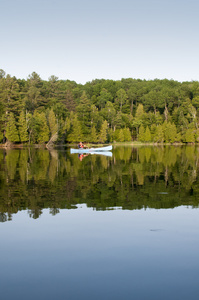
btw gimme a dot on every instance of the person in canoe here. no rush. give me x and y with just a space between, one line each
82 146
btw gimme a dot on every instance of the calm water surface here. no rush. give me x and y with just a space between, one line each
120 227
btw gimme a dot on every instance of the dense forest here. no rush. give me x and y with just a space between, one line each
35 111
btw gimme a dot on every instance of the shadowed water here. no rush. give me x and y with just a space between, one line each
117 227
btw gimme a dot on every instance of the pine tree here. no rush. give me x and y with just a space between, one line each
84 113
11 129
141 136
138 120
115 135
69 101
76 133
159 134
34 125
104 97
139 111
23 133
118 120
109 113
10 95
93 137
121 98
64 128
170 132
189 136
33 98
121 135
153 131
147 135
44 129
103 132
127 135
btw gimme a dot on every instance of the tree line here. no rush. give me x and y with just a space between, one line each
35 111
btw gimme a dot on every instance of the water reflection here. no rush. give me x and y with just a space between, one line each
133 178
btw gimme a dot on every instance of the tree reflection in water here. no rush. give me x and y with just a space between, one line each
133 178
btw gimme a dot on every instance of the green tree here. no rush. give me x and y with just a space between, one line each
159 134
135 93
52 123
94 137
109 113
44 131
96 118
69 101
139 116
170 133
11 129
23 129
193 115
64 128
121 99
103 132
34 124
195 102
76 133
141 136
121 135
147 135
33 97
103 98
127 135
119 121
154 99
190 136
10 96
84 113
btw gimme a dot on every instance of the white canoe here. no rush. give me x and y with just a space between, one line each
105 153
91 150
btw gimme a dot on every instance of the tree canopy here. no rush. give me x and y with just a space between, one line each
34 110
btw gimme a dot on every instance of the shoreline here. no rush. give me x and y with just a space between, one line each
133 144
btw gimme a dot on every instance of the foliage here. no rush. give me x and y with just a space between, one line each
159 134
147 135
76 132
170 132
93 136
52 123
23 129
141 136
103 132
190 136
127 135
168 109
44 129
11 129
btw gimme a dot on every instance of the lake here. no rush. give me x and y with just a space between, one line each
100 227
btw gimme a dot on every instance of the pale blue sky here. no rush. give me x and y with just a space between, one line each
82 40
